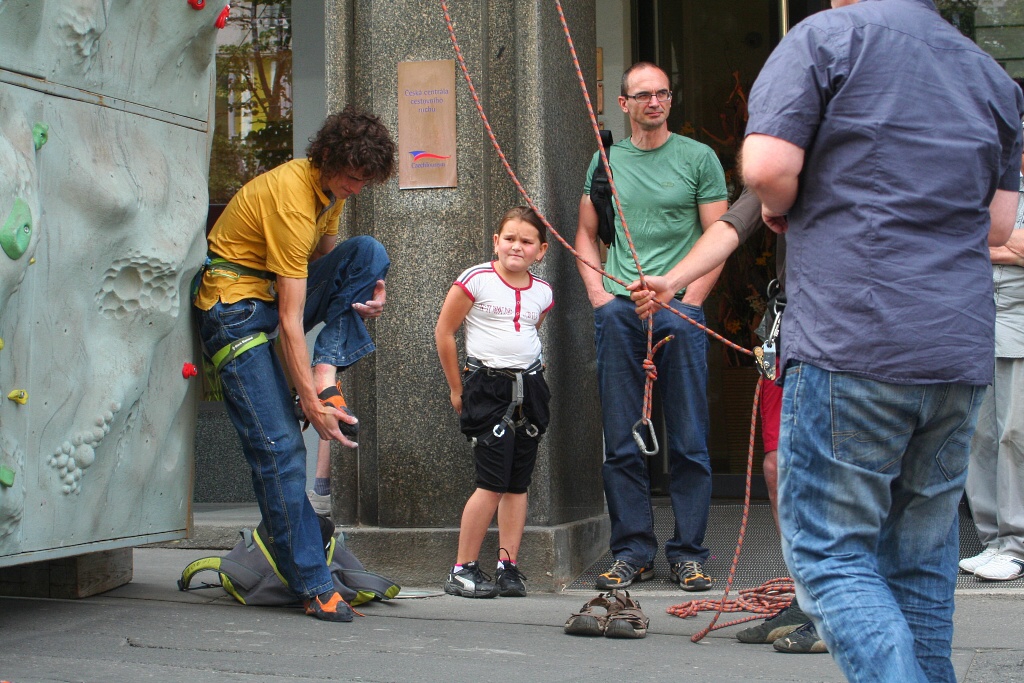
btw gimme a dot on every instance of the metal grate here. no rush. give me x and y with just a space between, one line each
761 557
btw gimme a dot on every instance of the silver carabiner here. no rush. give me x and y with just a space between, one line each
640 440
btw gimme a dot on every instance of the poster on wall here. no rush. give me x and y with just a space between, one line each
426 124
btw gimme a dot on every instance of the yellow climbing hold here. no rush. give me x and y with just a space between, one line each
1 344
32 261
19 396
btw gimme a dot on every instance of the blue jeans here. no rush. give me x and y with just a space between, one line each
259 401
682 379
870 477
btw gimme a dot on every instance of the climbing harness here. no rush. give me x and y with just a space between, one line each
648 363
474 365
221 267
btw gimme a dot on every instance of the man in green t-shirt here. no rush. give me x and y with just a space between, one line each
671 188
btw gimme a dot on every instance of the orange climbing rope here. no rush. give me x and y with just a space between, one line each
765 600
772 596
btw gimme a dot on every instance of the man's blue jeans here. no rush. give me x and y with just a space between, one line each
682 379
870 477
259 402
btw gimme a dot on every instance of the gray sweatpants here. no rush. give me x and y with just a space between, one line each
995 478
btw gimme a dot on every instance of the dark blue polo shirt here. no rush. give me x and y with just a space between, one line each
908 128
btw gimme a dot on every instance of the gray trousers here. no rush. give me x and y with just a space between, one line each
995 478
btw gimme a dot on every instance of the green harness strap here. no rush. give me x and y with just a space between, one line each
237 348
216 263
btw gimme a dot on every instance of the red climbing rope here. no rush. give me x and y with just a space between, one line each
766 599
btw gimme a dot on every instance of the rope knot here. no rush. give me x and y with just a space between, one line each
651 369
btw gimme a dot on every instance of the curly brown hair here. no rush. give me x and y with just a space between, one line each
353 140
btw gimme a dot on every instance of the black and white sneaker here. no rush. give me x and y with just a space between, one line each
510 581
470 582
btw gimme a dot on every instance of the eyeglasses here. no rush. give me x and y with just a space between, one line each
645 97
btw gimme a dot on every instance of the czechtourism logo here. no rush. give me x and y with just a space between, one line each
422 159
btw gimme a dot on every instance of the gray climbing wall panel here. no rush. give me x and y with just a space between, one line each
105 111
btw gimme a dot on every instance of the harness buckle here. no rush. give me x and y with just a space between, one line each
499 430
640 439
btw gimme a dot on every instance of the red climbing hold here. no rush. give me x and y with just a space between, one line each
189 370
222 20
197 4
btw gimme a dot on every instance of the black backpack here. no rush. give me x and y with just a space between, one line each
601 194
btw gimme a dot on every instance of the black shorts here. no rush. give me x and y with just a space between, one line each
504 464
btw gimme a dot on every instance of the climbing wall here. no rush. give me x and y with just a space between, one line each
105 122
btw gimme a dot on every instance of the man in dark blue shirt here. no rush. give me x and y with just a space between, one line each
888 145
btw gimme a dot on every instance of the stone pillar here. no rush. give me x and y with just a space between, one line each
404 490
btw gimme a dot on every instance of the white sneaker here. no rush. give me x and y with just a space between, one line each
1001 568
321 504
971 564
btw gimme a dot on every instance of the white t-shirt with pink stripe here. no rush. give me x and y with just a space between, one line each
501 328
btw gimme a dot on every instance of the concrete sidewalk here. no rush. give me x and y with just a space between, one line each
148 630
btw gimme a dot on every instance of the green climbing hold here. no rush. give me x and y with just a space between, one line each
16 232
6 476
40 132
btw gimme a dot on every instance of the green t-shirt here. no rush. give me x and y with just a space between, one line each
660 190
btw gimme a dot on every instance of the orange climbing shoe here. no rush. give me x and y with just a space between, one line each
334 609
331 397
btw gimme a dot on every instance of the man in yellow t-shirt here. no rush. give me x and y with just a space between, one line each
275 267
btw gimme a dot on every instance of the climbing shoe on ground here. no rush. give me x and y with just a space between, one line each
329 607
510 581
331 397
690 576
804 640
622 575
971 564
774 627
1001 568
470 582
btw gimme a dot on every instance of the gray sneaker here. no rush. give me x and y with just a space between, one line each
321 504
771 629
805 641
